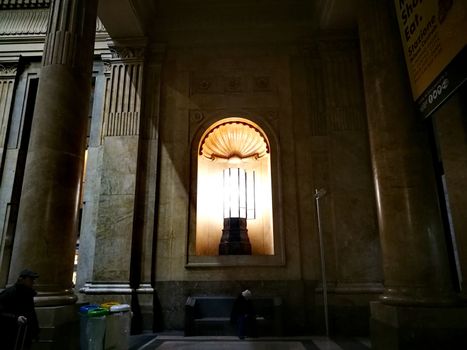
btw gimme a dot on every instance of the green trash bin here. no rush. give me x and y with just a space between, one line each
92 327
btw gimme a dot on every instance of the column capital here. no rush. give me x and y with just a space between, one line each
127 50
8 70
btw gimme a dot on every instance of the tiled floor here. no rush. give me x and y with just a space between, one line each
172 342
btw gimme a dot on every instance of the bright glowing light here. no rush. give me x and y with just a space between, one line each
234 193
245 186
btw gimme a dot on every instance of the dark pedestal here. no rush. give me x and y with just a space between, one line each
234 240
418 328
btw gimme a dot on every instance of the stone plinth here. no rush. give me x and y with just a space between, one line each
417 328
60 327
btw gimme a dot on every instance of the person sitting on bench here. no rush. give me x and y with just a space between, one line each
243 315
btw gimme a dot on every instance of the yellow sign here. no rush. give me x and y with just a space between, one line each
433 32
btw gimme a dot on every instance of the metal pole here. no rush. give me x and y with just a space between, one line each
318 194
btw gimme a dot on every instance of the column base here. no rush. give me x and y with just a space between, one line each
56 298
395 327
59 327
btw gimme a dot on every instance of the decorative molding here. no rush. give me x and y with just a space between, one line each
107 67
234 139
100 27
30 22
234 84
24 4
8 70
205 84
217 83
352 288
262 84
24 22
115 288
125 52
261 116
196 117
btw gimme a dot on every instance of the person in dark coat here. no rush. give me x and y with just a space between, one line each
243 315
17 312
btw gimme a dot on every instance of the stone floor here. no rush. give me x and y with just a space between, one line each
171 342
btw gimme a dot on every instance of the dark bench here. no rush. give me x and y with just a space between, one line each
211 315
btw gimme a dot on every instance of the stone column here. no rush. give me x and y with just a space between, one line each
47 221
412 313
415 262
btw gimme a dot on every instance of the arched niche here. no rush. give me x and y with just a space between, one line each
242 147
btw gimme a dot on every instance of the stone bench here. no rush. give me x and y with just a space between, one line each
211 315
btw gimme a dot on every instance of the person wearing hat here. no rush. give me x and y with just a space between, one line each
243 315
17 312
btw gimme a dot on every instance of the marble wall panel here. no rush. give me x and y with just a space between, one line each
119 165
115 221
113 238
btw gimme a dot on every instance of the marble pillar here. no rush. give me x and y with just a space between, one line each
415 262
416 310
47 220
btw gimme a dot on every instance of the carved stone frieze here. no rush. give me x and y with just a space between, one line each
8 70
206 84
262 83
234 84
125 52
28 22
24 4
196 117
107 67
212 83
100 26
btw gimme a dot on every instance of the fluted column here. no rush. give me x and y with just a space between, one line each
47 221
415 262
